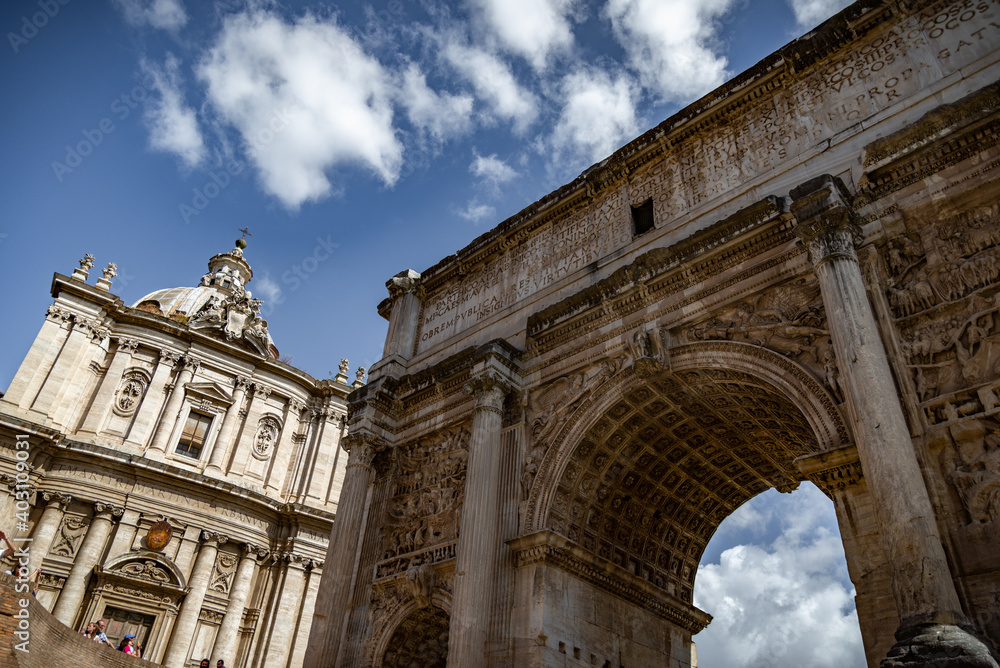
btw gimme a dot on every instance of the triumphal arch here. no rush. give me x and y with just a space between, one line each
795 278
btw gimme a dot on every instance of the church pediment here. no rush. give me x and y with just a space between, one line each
213 392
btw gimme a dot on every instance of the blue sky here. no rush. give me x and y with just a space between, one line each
355 140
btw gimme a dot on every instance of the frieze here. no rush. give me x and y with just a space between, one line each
429 487
972 466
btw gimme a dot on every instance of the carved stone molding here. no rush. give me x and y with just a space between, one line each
242 383
107 511
57 314
214 537
489 390
834 470
170 358
548 548
57 499
402 283
222 576
191 364
826 221
363 448
71 533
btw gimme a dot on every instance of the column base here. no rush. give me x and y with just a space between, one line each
937 646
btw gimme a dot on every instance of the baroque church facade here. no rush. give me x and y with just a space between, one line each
168 473
795 278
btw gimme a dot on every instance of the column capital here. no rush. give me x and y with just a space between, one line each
128 346
214 537
253 551
57 499
242 383
826 222
107 511
314 565
832 470
191 364
362 448
261 391
489 389
296 406
58 314
169 357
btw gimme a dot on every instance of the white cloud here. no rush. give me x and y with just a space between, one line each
671 44
305 98
267 289
442 115
491 169
173 126
534 29
494 83
810 13
598 115
475 213
782 604
163 14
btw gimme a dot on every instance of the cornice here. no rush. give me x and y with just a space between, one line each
549 548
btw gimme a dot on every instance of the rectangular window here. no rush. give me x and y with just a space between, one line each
193 436
642 218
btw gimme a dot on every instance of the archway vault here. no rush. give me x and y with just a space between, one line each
644 473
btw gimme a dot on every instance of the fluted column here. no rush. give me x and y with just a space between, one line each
921 578
228 636
310 589
101 404
45 530
149 409
335 585
222 442
174 403
187 619
476 557
88 556
283 624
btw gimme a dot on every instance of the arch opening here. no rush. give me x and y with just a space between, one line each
655 474
420 639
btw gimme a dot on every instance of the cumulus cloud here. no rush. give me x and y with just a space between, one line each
598 114
494 83
475 212
786 603
441 115
671 44
810 13
533 29
173 126
305 98
163 14
267 289
491 170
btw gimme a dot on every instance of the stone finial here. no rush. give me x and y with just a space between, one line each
359 376
345 366
109 272
86 264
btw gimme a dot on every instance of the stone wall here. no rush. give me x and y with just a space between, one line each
51 644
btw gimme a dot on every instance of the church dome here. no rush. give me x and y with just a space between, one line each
219 304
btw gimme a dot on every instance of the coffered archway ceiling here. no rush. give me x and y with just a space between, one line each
421 639
655 475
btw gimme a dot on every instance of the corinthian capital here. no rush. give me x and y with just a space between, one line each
191 364
362 448
826 221
489 390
